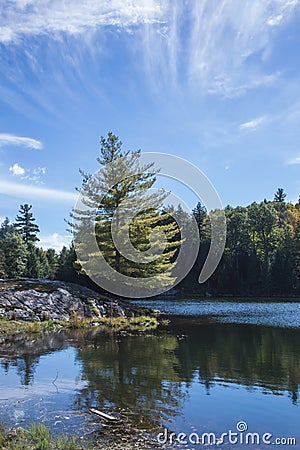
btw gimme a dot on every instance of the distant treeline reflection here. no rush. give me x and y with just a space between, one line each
150 372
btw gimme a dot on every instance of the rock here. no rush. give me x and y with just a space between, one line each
37 300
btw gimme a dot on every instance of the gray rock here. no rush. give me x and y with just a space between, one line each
36 300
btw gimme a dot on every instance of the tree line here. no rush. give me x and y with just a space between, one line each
21 257
262 253
261 257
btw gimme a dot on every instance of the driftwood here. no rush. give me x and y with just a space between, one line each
102 414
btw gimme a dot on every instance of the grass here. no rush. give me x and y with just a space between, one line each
39 437
141 323
116 323
16 326
36 437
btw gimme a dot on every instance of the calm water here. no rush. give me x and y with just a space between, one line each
196 376
282 314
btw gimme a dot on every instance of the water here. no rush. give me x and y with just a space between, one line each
204 373
282 314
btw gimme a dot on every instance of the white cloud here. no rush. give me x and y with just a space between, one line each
39 171
17 170
27 192
27 18
295 160
35 175
55 240
205 45
10 139
231 86
209 42
253 124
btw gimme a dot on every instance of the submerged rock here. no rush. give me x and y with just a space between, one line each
36 300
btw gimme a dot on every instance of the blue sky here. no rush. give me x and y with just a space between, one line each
214 81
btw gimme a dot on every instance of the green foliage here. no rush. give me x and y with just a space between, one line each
19 256
67 266
26 226
262 254
52 261
36 437
280 195
15 254
121 179
37 263
200 215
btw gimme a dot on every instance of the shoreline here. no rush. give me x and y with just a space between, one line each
37 435
138 323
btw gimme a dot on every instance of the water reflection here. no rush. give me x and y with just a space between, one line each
130 372
248 355
159 377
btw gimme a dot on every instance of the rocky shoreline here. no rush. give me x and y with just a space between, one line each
40 300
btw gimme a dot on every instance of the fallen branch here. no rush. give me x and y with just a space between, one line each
102 414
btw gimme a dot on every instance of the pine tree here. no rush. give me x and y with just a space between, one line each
26 226
52 259
200 215
2 261
67 268
5 227
280 195
145 210
15 253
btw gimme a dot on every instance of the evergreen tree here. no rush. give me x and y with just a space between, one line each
2 261
67 267
15 253
43 264
144 209
200 215
280 195
37 263
52 259
26 226
5 227
61 263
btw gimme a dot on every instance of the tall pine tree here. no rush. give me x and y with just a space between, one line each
26 226
122 180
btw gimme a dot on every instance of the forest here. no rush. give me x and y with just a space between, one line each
261 257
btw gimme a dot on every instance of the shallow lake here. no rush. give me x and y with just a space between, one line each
219 366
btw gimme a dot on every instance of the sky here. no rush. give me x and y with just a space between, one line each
216 82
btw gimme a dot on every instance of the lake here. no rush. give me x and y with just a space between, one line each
218 366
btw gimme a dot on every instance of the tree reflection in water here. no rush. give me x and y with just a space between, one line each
136 373
146 377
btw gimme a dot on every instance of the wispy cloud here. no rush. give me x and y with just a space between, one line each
210 43
35 175
215 47
26 191
253 124
295 160
27 18
12 140
17 170
55 240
